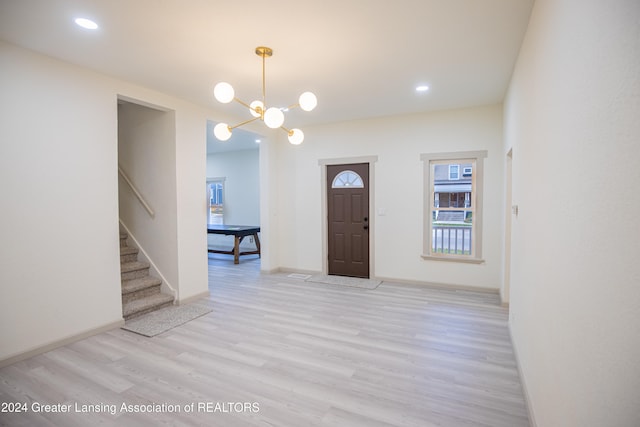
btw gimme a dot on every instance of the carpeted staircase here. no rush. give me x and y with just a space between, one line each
140 292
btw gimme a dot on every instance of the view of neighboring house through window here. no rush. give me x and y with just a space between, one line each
454 172
215 191
453 205
452 209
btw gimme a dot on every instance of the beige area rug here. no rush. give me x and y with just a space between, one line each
157 322
353 282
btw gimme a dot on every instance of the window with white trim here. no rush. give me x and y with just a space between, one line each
453 206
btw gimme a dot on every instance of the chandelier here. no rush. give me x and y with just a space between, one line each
273 117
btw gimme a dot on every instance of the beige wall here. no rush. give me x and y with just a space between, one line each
572 119
59 260
397 189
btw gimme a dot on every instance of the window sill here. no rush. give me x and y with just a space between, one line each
452 259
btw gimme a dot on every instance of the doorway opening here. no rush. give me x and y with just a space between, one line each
232 190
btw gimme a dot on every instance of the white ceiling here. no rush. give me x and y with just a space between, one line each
362 58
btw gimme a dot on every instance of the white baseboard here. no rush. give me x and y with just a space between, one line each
439 285
393 280
193 298
59 343
525 391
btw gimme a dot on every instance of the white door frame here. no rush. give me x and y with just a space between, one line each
506 278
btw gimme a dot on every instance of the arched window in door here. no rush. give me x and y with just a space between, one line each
347 179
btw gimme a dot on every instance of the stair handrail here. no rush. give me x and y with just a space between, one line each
136 192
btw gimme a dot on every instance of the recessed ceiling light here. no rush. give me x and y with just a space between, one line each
258 141
86 23
422 88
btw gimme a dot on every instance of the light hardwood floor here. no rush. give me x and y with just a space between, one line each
285 352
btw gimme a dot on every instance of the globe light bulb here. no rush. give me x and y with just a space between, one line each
273 118
296 136
224 92
308 101
222 131
257 107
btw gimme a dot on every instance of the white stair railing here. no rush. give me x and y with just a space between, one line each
136 192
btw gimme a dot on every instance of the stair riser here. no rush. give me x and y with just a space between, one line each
142 293
147 310
123 242
128 258
136 274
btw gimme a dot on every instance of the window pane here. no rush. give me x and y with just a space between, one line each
454 172
452 207
347 179
452 232
216 205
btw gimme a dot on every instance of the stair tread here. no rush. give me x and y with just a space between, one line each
133 266
145 303
133 285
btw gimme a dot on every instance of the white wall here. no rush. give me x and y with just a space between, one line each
191 152
59 260
242 184
398 190
572 118
241 171
269 202
59 265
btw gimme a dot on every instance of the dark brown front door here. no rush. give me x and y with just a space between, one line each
348 219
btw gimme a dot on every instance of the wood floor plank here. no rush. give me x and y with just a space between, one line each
297 353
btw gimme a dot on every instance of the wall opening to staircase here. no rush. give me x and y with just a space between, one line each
147 171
